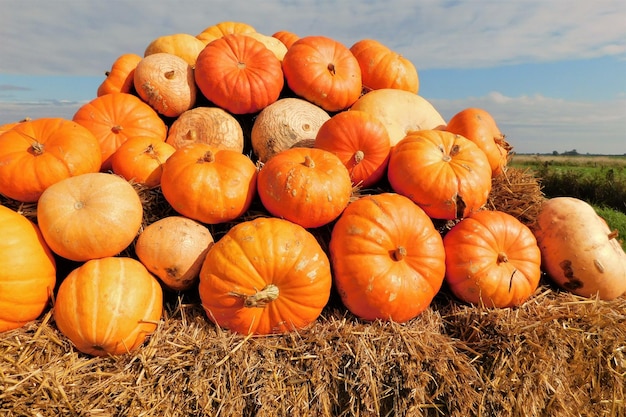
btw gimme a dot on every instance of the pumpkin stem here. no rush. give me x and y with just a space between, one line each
149 149
117 129
331 69
169 74
399 254
358 157
502 257
308 162
37 148
208 156
613 234
191 135
260 298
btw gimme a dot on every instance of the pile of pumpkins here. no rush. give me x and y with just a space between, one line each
325 120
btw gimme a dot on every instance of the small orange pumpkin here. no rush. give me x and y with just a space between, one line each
140 159
27 272
208 184
120 78
361 141
286 37
108 306
492 259
266 275
323 71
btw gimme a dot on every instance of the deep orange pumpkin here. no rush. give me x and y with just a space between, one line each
387 258
308 186
445 174
208 184
492 259
324 72
38 153
266 275
286 37
360 141
239 74
140 159
116 117
119 79
27 270
108 306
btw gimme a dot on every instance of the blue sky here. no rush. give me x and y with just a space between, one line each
552 72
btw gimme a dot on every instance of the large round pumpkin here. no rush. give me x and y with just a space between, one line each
387 258
27 270
89 216
38 153
445 174
323 71
208 184
108 306
492 259
239 74
309 186
114 118
266 275
579 251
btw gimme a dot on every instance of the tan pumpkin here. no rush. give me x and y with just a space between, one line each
221 29
173 248
183 45
273 44
211 125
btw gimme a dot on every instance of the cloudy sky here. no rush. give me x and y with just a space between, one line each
552 72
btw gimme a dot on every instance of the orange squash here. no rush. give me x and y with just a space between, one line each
120 78
140 159
221 29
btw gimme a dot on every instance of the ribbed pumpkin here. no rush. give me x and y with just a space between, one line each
387 258
266 275
222 29
445 174
308 186
114 118
120 78
286 37
239 74
108 306
208 184
183 45
323 71
89 216
38 153
27 270
492 259
360 141
140 159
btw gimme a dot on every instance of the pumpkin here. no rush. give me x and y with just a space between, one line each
266 275
8 126
383 68
28 272
120 78
286 123
239 74
578 249
308 186
208 184
400 111
479 126
140 160
387 258
183 45
210 125
445 174
276 46
286 37
89 216
492 259
173 248
114 118
108 306
323 71
165 81
38 153
361 142
222 29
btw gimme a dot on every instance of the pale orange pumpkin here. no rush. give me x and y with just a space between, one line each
183 45
222 29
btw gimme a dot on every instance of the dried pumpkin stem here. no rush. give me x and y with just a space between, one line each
502 257
117 129
208 156
260 298
37 148
613 234
308 162
399 254
358 157
170 74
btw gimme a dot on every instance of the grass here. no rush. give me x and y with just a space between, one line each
616 221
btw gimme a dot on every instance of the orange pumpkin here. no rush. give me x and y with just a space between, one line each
119 79
383 68
324 72
8 126
361 141
308 186
492 259
445 174
266 275
38 153
89 216
140 159
114 118
208 184
480 127
27 270
286 37
222 29
387 258
183 45
108 306
239 74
